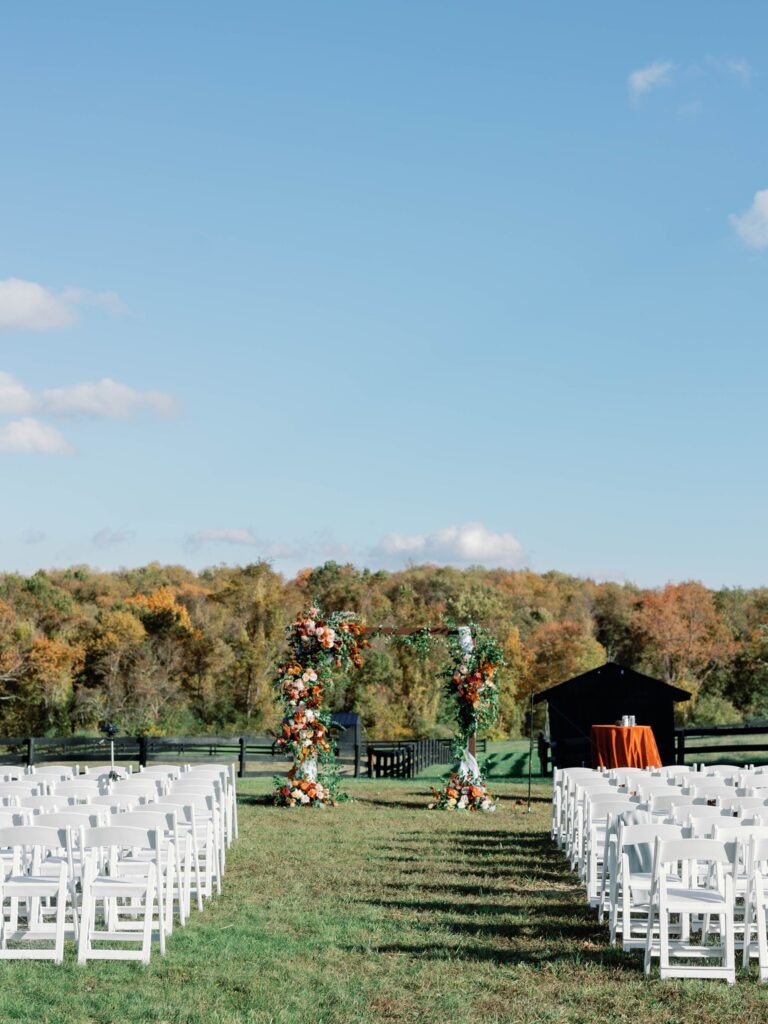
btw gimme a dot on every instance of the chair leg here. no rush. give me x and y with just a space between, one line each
663 940
649 940
84 940
146 946
61 910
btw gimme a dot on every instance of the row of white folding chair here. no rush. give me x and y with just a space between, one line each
44 855
601 809
577 793
208 803
629 902
228 779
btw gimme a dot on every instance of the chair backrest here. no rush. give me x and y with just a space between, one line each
139 784
28 785
121 837
78 786
701 825
33 835
665 801
43 803
73 818
54 771
165 821
721 769
675 851
637 843
114 802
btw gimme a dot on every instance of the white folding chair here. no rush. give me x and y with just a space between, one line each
706 891
170 862
631 885
200 850
209 800
128 900
29 846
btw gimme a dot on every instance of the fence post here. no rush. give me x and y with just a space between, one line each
680 736
241 767
357 759
143 751
30 751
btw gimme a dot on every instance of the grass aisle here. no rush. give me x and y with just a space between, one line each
379 911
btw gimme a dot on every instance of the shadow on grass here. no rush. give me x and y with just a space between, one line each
256 800
606 956
417 803
525 906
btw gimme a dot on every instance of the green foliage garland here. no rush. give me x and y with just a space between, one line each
475 658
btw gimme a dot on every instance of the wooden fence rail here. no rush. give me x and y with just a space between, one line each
385 759
404 759
684 749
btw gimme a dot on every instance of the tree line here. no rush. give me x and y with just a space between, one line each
163 650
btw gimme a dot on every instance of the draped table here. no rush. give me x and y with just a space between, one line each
624 746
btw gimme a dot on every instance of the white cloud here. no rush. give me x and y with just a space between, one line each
15 400
651 77
752 226
223 535
106 538
30 435
470 544
29 306
106 398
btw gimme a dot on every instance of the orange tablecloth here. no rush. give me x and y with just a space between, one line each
624 746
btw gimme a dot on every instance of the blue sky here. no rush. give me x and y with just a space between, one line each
385 282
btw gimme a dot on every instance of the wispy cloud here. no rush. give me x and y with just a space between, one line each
29 435
752 226
653 76
106 397
107 538
29 306
470 544
740 69
312 551
223 535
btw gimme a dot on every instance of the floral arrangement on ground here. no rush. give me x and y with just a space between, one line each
464 791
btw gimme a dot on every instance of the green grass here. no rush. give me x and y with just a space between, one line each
381 912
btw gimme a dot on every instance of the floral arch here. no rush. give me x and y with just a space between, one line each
318 646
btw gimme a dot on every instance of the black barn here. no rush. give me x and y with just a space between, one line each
601 697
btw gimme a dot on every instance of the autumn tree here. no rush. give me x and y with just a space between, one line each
682 636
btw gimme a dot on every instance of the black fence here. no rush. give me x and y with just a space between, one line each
400 759
685 748
404 759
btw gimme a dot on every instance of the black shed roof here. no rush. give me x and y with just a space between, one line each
612 672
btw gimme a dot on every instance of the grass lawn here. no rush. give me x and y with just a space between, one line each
381 911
